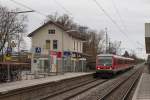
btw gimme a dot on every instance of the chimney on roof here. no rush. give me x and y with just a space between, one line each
83 29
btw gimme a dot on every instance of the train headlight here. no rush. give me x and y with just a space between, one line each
98 68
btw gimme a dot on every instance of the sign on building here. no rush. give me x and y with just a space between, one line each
37 50
8 50
7 57
55 53
67 53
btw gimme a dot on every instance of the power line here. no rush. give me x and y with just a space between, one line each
140 44
60 5
18 12
112 20
120 17
67 11
18 3
23 5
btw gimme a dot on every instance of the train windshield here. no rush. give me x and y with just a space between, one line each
104 61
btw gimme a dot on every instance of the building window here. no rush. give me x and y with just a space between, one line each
80 46
51 31
55 44
48 44
77 46
74 45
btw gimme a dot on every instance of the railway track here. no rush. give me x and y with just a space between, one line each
115 89
37 92
80 88
121 85
76 90
122 90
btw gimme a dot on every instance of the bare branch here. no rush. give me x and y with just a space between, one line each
10 25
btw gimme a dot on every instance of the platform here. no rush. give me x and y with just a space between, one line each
143 89
6 87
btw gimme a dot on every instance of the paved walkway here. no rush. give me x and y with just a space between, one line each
6 87
143 89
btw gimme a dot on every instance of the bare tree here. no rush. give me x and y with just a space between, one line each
10 25
53 17
114 47
95 40
133 54
100 48
126 54
93 46
64 20
20 42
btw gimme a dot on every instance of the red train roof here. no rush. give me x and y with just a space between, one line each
116 56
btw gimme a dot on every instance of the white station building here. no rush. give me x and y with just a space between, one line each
52 41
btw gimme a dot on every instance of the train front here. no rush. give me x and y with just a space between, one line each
104 65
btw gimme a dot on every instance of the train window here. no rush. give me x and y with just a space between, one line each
123 61
126 61
105 61
119 61
115 61
34 60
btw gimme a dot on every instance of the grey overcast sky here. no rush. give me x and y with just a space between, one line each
130 16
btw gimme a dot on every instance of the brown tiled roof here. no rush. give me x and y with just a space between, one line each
76 34
72 33
49 22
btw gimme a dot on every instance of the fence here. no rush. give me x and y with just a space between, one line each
66 64
10 71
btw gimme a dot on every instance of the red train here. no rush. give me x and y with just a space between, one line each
111 64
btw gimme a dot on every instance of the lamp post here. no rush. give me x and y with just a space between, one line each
49 63
63 52
106 40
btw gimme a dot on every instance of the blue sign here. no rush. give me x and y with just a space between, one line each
37 50
9 49
66 53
